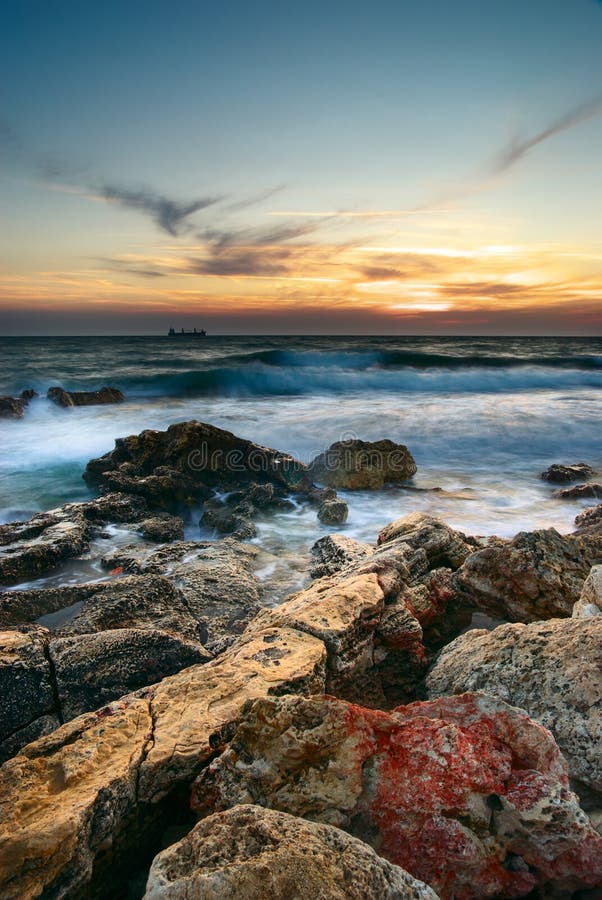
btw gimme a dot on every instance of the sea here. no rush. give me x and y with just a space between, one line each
482 417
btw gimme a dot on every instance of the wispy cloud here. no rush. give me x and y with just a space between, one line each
255 199
517 149
170 215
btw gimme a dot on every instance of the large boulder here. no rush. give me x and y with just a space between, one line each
215 578
83 807
466 793
551 669
251 853
84 398
29 706
363 465
195 456
536 575
563 474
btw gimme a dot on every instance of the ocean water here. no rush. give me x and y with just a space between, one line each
482 417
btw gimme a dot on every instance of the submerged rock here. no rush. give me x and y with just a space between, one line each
466 793
536 575
561 474
251 853
363 465
83 804
84 398
551 669
333 512
591 489
14 407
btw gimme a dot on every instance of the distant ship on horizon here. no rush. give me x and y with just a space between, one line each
194 333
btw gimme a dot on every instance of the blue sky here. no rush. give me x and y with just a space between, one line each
314 107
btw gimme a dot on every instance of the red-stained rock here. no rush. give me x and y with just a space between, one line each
466 793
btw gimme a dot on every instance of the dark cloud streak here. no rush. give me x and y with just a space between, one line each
170 215
517 149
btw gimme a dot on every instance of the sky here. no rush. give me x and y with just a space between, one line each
398 167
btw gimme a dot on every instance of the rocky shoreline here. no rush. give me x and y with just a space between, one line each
167 731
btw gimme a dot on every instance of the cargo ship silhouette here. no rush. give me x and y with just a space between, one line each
194 333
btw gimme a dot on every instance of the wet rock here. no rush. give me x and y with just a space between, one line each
227 520
363 465
163 528
28 702
215 578
111 508
536 575
136 601
79 805
250 853
14 407
202 455
551 669
560 474
335 552
333 512
84 398
590 602
466 793
592 516
33 548
442 545
580 491
93 669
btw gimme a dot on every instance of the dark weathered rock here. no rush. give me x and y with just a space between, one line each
589 517
14 407
466 793
335 552
333 512
363 465
93 669
215 577
552 669
580 491
84 398
561 474
251 853
78 806
31 549
136 601
40 544
26 688
163 528
536 575
201 454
